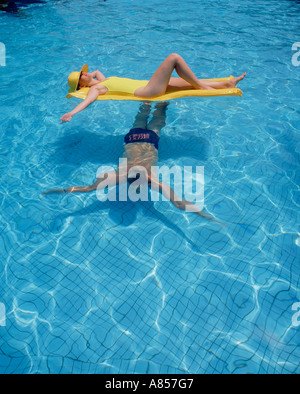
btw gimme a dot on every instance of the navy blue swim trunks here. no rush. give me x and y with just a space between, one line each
142 135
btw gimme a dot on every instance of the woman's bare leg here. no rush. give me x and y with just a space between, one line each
159 82
179 83
161 79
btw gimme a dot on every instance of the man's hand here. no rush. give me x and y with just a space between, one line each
66 118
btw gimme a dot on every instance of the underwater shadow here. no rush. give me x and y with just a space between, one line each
125 214
192 146
83 146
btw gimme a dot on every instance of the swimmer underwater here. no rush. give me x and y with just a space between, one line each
160 82
141 154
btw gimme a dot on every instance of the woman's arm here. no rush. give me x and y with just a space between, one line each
98 75
92 95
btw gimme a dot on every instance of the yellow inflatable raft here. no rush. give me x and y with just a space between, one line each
120 95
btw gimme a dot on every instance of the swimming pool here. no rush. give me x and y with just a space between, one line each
99 287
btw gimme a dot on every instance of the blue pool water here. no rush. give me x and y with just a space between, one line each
89 286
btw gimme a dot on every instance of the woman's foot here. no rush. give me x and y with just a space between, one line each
233 82
212 85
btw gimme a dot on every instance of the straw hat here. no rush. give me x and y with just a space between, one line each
74 78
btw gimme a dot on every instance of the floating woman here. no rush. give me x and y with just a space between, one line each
159 84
